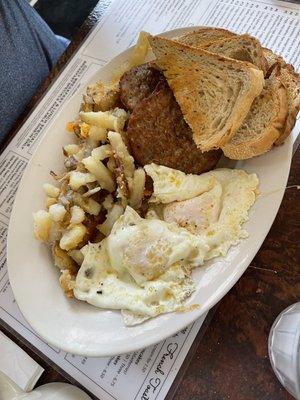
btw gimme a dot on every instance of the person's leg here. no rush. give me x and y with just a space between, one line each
28 51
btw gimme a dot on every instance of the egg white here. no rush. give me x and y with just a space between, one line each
143 268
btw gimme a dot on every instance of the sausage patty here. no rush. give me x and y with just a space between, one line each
138 83
158 133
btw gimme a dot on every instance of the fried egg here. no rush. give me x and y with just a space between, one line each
143 267
216 215
100 285
146 248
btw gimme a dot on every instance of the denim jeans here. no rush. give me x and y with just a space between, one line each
28 51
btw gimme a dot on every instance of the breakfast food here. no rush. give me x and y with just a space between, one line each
263 124
144 265
140 204
228 44
138 83
215 93
157 119
247 48
291 82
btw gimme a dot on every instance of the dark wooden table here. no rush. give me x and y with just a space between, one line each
229 358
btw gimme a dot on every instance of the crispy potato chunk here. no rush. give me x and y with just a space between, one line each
138 188
78 179
102 96
50 201
63 260
72 237
113 214
42 225
57 212
51 190
77 256
67 282
77 215
112 120
101 173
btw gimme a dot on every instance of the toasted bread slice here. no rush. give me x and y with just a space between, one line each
215 93
239 47
243 48
291 81
201 37
262 126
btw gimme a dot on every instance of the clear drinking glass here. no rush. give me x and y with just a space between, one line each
284 349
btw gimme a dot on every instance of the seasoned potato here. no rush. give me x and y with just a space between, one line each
71 149
113 214
77 215
72 237
100 172
78 179
57 212
51 190
67 282
137 189
63 260
76 255
112 120
102 96
42 225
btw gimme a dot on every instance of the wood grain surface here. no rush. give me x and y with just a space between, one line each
229 358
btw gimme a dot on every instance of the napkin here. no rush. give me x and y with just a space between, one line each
17 364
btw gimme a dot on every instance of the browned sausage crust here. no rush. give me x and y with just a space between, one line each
158 133
138 83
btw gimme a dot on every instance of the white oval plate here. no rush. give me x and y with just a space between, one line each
80 328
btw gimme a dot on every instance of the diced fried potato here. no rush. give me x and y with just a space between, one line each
42 225
55 232
76 255
97 133
108 202
100 119
112 215
102 152
99 170
72 237
84 130
77 215
67 282
63 260
50 201
112 120
103 96
78 179
137 189
121 151
89 205
57 212
92 206
71 149
51 190
80 155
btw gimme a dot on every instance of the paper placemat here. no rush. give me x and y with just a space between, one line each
149 373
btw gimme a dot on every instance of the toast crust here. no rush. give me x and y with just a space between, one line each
246 144
291 80
223 42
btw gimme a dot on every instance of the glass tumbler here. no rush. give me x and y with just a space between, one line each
284 349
